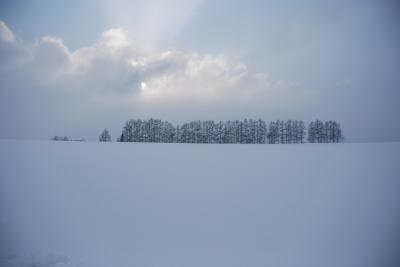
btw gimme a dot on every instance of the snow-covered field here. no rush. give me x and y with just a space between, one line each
125 204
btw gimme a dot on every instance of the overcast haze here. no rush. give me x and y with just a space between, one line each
72 68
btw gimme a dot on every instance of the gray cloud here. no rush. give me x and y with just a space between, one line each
58 90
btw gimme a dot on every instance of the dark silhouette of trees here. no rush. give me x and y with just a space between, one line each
328 132
105 136
248 131
60 138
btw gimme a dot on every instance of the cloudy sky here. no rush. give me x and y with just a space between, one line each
75 67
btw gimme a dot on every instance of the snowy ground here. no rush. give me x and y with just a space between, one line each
120 205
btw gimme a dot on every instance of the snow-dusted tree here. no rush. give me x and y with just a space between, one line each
261 132
319 129
337 135
312 136
273 132
178 132
167 132
60 138
105 136
328 132
209 130
301 132
282 132
121 138
289 132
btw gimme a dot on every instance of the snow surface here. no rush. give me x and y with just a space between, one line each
126 204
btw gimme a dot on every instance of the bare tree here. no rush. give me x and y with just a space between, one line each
105 136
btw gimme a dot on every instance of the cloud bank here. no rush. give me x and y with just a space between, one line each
59 91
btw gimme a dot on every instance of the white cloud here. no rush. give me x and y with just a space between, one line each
115 38
112 76
6 35
49 58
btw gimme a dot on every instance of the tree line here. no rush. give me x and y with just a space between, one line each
247 131
65 138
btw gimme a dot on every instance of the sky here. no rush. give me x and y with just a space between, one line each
76 67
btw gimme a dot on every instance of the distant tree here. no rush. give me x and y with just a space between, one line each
178 137
319 130
312 136
105 136
337 135
301 132
324 132
261 132
273 132
121 138
60 138
282 132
